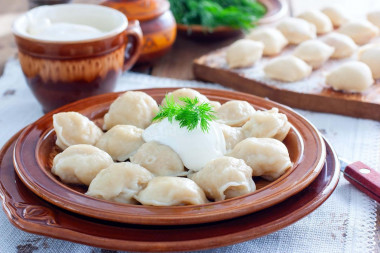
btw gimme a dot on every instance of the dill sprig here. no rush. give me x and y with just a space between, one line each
189 115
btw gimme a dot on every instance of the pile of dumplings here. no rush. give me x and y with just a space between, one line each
118 165
340 39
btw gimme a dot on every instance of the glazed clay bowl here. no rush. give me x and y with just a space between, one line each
35 150
276 9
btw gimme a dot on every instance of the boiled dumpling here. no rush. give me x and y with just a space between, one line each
225 178
171 191
297 30
287 68
234 112
370 55
132 108
73 128
320 20
244 53
79 164
313 52
374 17
215 105
121 141
344 46
119 182
274 41
232 135
267 124
185 92
268 158
352 76
336 15
159 159
361 32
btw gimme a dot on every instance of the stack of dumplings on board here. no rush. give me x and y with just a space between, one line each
312 39
118 165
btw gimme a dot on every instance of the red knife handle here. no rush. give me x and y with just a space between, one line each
364 178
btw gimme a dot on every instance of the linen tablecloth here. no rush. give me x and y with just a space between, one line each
344 223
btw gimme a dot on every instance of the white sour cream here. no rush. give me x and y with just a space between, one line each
195 147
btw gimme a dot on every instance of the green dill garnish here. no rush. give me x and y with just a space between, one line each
238 14
189 115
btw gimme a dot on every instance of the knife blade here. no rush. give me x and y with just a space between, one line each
362 177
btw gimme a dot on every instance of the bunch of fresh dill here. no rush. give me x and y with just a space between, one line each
238 14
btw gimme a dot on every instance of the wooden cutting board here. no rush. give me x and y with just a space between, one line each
310 94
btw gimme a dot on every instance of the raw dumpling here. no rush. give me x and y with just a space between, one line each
336 15
73 128
297 30
121 141
132 108
244 53
267 124
313 52
171 191
361 32
352 76
159 159
344 46
268 158
234 113
320 20
370 55
119 182
79 164
274 41
287 69
185 92
374 18
225 178
232 136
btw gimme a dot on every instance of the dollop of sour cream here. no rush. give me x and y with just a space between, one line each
194 147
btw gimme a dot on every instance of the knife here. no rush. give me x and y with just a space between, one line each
362 177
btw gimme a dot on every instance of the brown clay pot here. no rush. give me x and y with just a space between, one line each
156 21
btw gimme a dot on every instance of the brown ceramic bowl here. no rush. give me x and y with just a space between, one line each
276 9
30 213
35 150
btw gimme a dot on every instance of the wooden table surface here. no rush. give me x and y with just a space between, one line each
177 63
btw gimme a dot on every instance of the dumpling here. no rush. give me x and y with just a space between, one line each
361 32
215 105
351 76
119 182
186 92
297 30
234 113
132 108
121 141
336 15
79 164
287 69
73 128
159 159
370 55
274 41
319 19
374 17
268 158
225 178
267 124
313 52
232 136
244 53
171 191
344 46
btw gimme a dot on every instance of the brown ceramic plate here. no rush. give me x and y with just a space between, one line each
32 214
276 9
35 150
